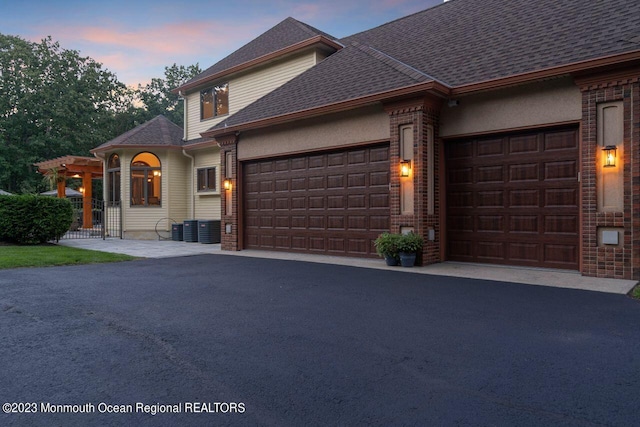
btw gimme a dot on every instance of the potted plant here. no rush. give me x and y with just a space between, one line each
387 247
408 246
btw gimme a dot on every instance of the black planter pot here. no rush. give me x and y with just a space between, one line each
407 259
391 260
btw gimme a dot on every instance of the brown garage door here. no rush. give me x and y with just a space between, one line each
330 203
513 199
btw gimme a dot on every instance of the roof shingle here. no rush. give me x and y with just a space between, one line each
457 43
158 131
285 34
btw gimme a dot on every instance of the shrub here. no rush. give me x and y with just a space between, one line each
30 219
410 243
387 245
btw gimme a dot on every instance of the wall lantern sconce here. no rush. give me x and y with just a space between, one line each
405 168
227 184
609 156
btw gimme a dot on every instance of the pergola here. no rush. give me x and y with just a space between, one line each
74 167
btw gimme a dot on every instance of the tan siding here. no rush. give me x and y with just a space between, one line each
139 217
554 101
207 204
363 125
178 169
246 88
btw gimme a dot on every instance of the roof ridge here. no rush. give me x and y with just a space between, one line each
399 66
310 29
395 20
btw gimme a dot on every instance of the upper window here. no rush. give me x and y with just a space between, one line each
113 180
206 179
214 101
146 180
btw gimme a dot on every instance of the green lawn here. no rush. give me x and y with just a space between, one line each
14 256
635 293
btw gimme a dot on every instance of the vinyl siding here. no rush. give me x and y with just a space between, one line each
178 170
246 88
137 218
207 204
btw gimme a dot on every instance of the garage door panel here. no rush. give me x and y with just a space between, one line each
524 144
559 141
524 172
561 197
334 203
524 198
490 147
515 207
563 170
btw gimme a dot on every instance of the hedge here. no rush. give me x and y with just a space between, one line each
30 219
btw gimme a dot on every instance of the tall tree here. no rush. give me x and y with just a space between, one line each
53 102
158 98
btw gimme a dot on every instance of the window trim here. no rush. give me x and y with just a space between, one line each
206 170
148 174
214 95
114 180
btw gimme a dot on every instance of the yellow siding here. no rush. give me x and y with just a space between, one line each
244 89
139 217
207 204
178 169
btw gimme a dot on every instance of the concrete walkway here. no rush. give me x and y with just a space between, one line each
530 276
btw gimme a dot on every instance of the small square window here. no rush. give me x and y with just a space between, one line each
206 179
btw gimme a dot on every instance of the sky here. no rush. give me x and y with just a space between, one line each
136 39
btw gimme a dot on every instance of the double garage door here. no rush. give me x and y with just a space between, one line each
332 203
513 199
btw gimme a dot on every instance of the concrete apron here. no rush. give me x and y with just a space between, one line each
529 276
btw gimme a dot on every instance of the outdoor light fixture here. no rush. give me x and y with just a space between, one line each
76 176
609 156
227 184
405 168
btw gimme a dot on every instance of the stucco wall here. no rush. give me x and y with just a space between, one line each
335 130
553 101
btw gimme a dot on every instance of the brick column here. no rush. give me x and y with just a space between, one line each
423 115
230 241
622 261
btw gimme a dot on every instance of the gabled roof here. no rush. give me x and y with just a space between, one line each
363 72
287 35
456 45
157 132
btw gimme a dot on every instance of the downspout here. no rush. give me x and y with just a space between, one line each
192 208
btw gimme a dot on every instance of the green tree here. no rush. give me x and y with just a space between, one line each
158 98
53 102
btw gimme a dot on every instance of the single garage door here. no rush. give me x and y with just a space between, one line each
513 199
333 203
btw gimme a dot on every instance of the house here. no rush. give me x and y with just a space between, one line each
517 126
157 173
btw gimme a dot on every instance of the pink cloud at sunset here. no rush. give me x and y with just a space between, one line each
136 40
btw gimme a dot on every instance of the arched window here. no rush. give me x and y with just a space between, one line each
146 180
113 180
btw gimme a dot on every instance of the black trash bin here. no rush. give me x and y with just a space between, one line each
190 230
209 231
177 232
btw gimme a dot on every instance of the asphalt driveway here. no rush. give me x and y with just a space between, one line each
226 340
